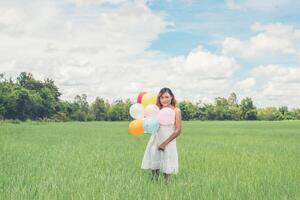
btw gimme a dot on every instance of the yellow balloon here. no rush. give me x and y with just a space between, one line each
148 98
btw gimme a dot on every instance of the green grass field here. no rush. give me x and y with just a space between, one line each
101 160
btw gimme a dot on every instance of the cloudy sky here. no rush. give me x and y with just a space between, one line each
115 49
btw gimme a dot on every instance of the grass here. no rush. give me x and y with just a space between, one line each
101 160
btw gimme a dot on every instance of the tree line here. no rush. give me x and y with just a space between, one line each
29 99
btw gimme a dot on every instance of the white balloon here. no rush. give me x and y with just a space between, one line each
136 111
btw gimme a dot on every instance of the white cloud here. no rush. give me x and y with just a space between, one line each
269 84
281 74
206 65
266 5
201 74
104 53
246 84
277 29
69 51
97 2
272 40
279 85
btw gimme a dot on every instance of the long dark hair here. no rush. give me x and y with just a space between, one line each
161 92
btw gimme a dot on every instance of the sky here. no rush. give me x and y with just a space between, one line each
115 49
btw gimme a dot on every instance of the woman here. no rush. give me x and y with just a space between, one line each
161 151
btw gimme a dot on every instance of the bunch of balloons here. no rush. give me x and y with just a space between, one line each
147 115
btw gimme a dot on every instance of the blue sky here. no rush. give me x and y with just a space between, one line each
203 21
116 48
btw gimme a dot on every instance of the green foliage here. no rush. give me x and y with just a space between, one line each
269 114
119 110
248 109
99 109
28 98
188 110
31 99
60 117
295 113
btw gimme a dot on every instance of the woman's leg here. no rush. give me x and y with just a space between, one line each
155 174
167 177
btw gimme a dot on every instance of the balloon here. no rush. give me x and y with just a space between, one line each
136 127
148 98
140 96
166 116
150 125
136 111
151 110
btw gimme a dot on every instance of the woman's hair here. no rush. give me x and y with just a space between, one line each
161 92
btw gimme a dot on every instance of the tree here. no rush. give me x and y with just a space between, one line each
1 76
232 99
49 83
28 98
23 104
127 105
80 108
49 102
27 81
286 114
269 113
200 111
8 100
296 113
248 110
117 111
221 109
209 111
99 109
188 110
234 110
82 102
24 78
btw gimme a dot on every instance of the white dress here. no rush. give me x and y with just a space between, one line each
167 160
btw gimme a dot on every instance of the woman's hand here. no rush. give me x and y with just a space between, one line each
162 147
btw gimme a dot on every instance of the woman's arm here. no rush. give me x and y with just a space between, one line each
176 132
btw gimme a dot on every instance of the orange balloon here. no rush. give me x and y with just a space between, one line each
136 127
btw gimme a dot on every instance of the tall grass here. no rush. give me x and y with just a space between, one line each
101 160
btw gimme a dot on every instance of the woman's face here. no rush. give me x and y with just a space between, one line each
165 99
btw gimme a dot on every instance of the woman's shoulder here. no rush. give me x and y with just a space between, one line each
177 110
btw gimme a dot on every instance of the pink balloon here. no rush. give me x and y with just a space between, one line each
166 116
151 111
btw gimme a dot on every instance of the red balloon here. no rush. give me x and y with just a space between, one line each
140 96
